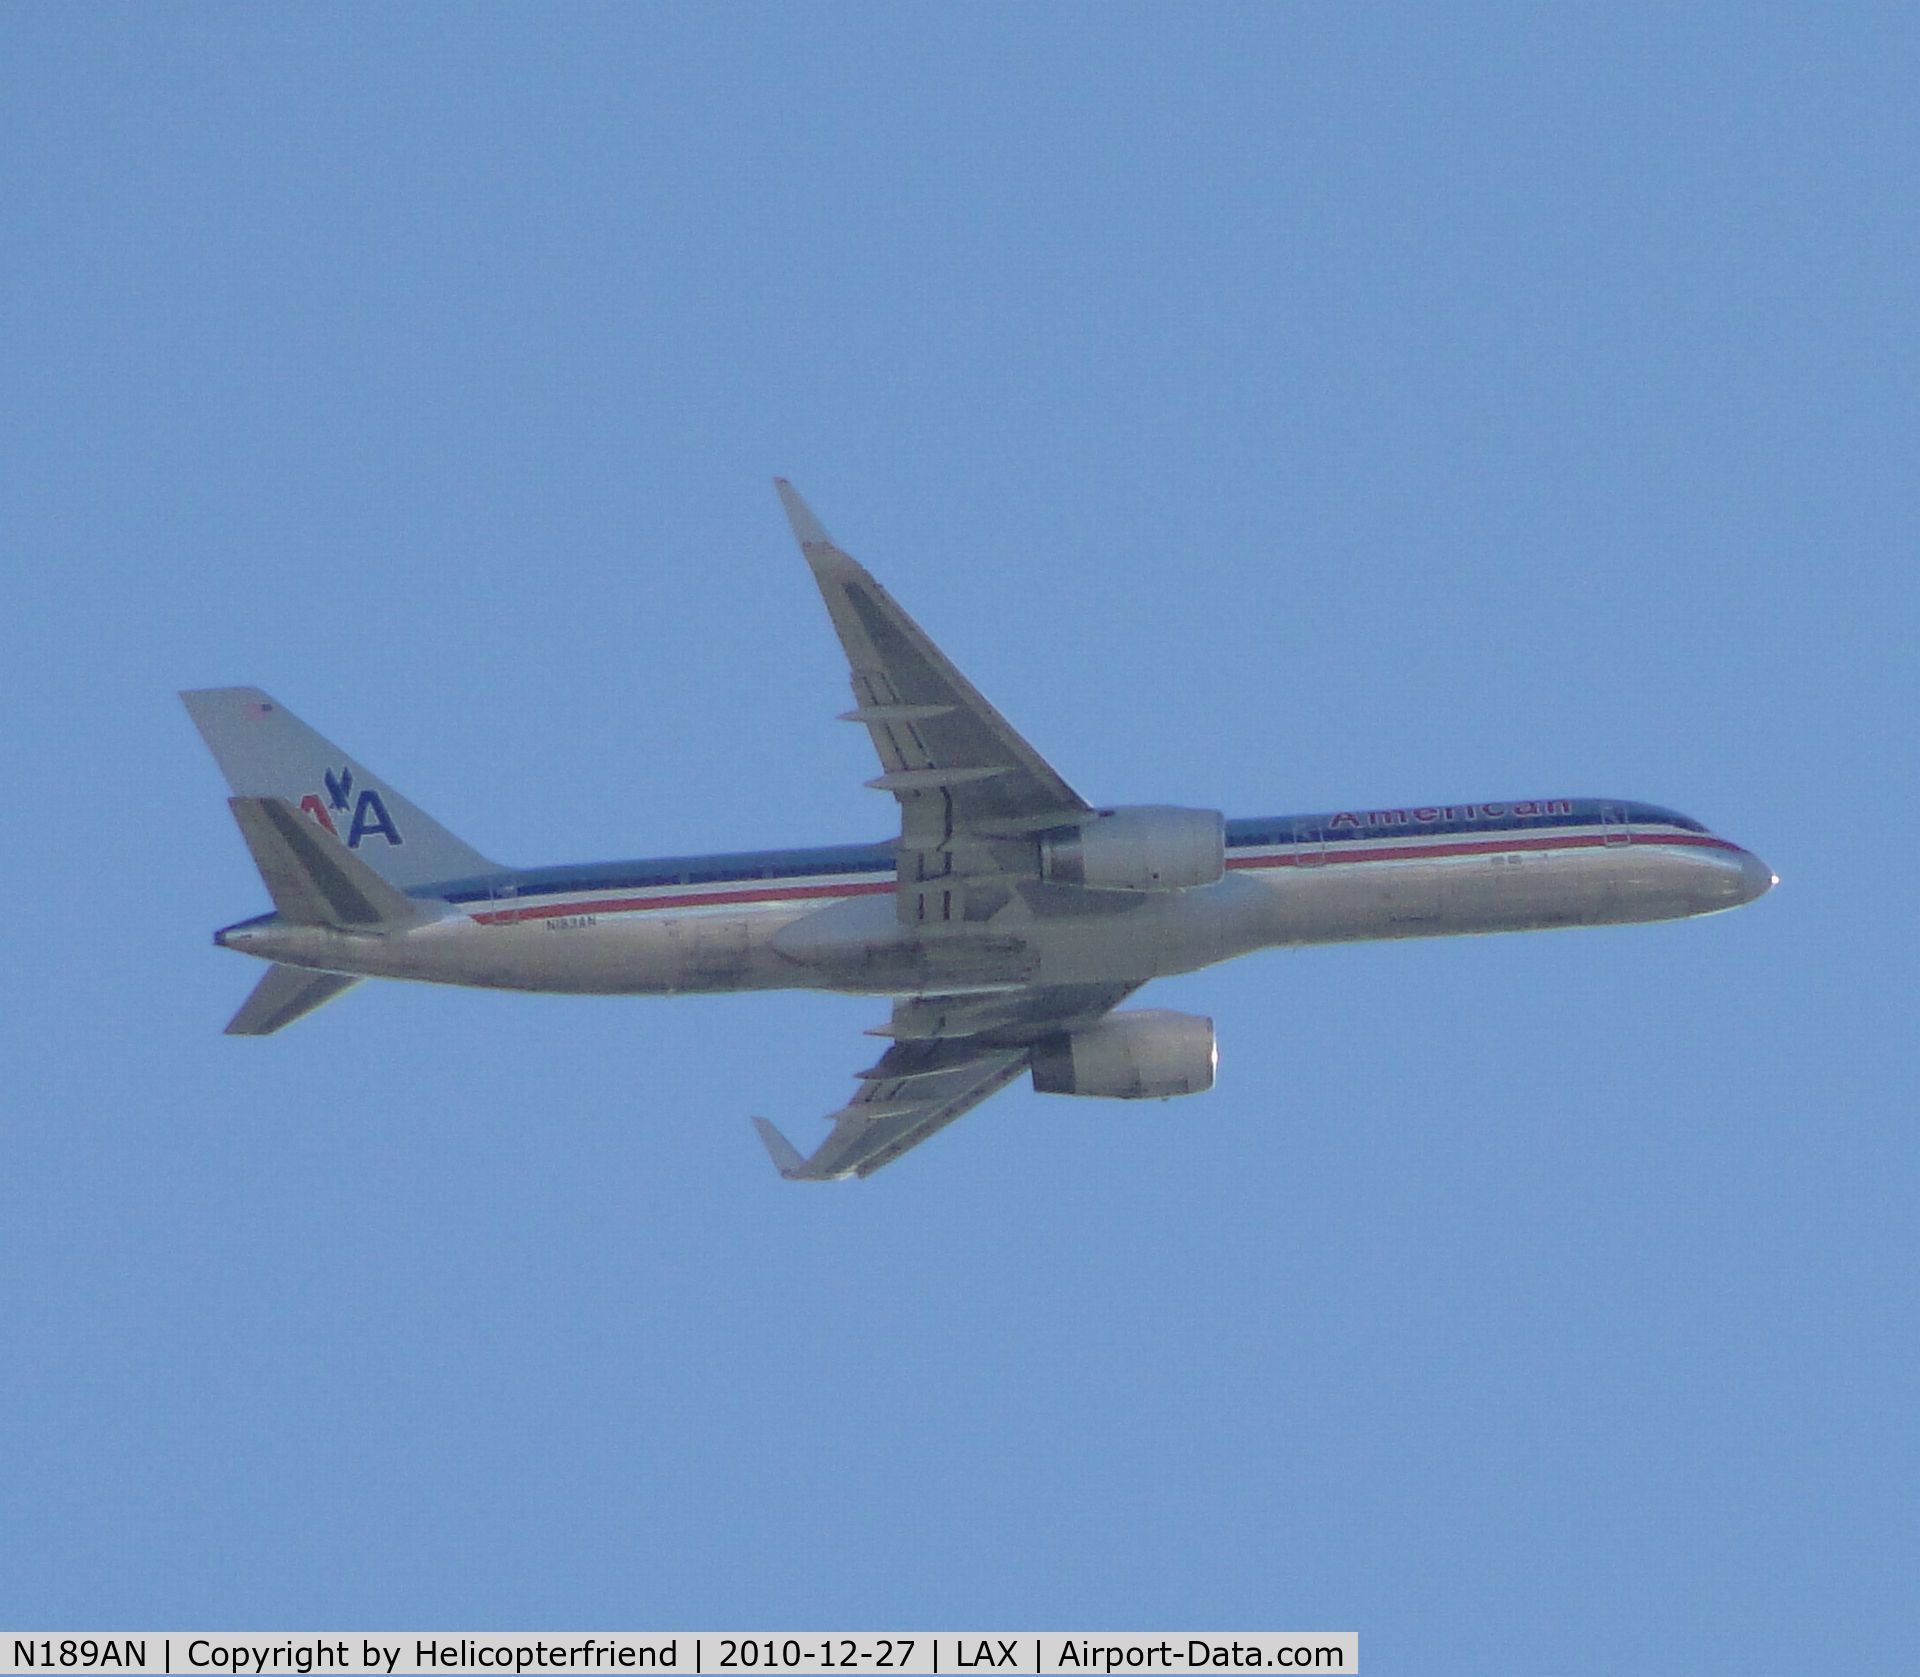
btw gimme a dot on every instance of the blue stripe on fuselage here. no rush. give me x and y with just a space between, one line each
749 866
856 860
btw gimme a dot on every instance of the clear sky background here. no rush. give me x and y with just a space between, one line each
1275 409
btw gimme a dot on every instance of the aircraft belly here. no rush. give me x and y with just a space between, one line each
1520 890
582 954
589 954
1537 891
1168 932
1524 891
858 946
733 951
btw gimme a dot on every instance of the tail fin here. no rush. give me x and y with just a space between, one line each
265 751
284 995
313 881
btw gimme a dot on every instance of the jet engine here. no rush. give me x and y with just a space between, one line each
1150 847
1145 1054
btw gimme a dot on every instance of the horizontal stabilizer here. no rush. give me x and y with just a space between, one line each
284 995
314 879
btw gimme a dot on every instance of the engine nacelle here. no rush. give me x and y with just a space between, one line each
1146 1054
1150 847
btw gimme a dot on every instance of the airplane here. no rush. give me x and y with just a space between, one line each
1007 922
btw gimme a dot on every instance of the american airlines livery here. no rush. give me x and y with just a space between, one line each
1007 922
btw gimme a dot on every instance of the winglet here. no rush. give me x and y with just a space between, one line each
808 531
786 1157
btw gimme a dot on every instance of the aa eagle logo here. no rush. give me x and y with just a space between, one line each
362 815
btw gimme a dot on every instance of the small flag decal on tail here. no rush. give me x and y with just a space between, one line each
255 709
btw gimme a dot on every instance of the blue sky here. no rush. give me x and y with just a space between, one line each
1276 409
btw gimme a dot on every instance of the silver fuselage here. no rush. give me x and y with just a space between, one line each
825 919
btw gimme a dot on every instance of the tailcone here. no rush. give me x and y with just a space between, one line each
249 936
270 938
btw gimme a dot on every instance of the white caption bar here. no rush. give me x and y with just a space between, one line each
910 1653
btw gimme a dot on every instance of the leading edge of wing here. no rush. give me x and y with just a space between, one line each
932 730
868 1134
948 1055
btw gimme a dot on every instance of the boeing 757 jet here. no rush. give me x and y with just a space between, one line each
1007 922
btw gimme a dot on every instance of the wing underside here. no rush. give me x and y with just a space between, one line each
948 1054
972 791
973 796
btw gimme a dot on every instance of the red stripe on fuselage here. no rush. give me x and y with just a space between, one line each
1335 853
702 899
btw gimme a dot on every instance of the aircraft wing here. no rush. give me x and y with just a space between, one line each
949 1053
964 778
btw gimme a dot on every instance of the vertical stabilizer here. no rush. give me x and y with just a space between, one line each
265 751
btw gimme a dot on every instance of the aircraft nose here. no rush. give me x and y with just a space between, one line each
1756 878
